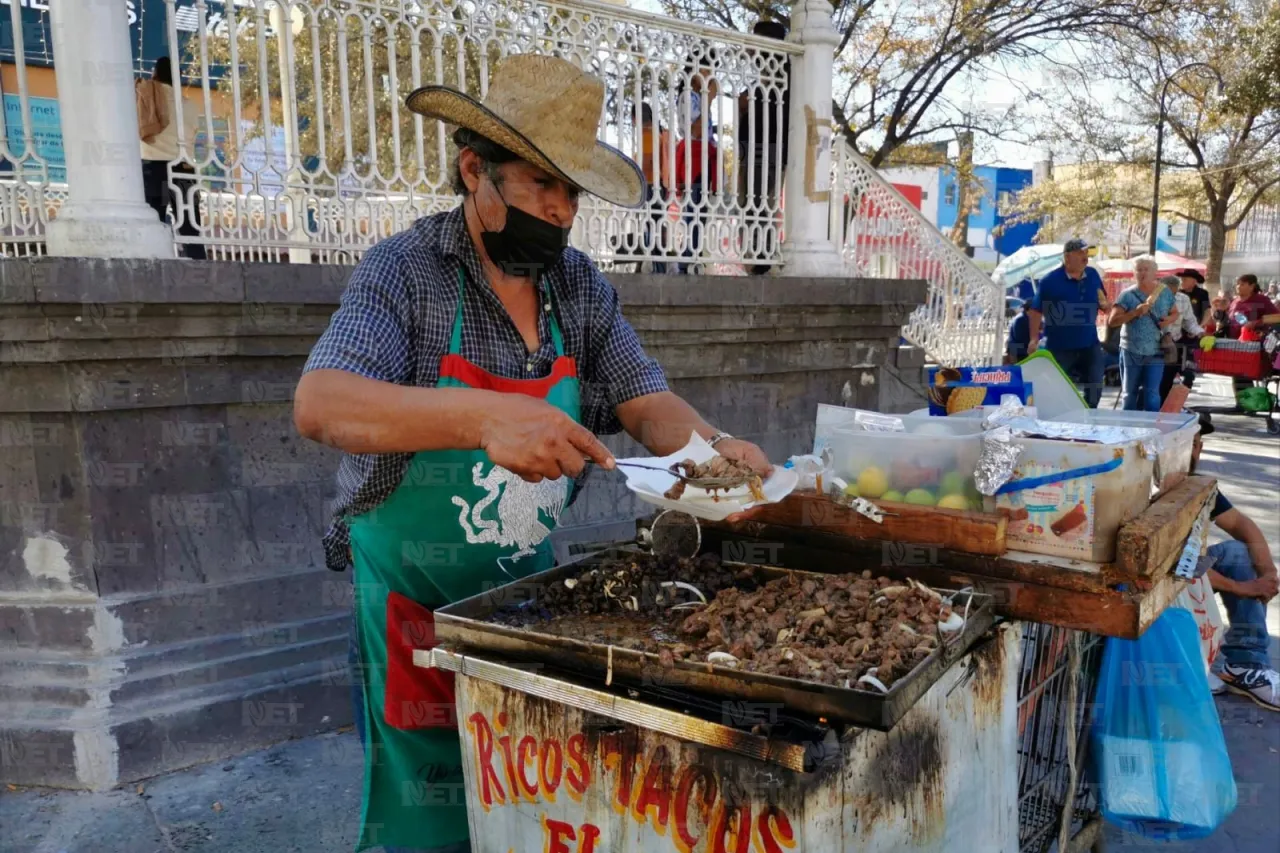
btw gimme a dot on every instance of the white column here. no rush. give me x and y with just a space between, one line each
296 210
809 248
105 214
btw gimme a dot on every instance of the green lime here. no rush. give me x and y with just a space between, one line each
952 483
920 497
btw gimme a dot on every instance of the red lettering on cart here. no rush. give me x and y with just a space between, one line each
527 752
554 835
655 790
490 788
689 777
578 776
508 762
774 830
587 835
550 768
620 757
731 829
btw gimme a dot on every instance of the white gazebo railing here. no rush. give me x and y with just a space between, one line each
295 145
882 234
306 104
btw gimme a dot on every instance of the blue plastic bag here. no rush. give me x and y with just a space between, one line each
1159 755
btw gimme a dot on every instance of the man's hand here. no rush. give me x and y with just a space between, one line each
1263 588
745 451
1032 346
535 440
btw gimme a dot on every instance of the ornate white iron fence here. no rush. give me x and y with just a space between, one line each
301 116
882 234
28 198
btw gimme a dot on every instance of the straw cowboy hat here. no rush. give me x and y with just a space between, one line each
547 111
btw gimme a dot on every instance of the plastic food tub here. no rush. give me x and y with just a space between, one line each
921 460
1178 428
1077 517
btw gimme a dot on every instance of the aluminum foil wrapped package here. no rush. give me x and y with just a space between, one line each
1009 409
998 459
814 470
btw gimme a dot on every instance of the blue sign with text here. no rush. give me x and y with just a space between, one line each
45 127
148 32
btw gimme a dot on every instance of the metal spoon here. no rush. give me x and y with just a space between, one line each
707 483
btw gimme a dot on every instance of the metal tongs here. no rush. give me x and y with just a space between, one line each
708 483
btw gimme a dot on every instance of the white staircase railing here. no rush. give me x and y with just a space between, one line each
881 234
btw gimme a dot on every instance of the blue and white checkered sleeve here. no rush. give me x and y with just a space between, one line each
370 333
615 359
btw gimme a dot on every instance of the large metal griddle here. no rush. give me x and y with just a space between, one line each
464 626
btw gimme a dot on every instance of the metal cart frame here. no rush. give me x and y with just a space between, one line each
1044 711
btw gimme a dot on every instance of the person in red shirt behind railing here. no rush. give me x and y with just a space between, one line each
697 172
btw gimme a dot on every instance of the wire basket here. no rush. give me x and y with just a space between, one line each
1245 362
1043 768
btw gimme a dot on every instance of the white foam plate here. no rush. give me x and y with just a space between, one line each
651 486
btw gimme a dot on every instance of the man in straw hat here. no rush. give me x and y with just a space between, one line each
471 364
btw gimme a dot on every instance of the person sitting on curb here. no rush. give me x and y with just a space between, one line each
1245 576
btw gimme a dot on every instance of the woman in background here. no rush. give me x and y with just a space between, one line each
1143 312
161 150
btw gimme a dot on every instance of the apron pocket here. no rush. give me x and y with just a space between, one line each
415 698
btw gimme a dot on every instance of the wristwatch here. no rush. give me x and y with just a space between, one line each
717 438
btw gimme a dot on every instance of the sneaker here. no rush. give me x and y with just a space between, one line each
1259 683
1216 685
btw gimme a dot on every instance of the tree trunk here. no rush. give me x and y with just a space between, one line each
1217 246
964 179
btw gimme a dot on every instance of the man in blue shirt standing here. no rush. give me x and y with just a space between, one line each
1016 344
1066 304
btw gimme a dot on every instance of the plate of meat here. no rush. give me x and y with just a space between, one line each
730 486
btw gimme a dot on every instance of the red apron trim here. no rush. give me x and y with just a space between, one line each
455 366
415 698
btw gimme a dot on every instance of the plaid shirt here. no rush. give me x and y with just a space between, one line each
394 325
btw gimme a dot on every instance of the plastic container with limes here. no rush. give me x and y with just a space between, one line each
910 459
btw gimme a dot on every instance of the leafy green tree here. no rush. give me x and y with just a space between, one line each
904 68
1222 154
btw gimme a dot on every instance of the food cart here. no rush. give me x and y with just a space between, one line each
571 746
579 739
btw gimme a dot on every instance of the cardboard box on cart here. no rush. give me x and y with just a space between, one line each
1070 498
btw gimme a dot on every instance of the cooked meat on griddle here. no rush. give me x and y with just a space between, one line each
833 629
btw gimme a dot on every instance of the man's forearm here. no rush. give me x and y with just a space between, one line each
1033 328
1222 583
1244 529
361 415
662 422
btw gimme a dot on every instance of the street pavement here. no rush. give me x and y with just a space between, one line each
1246 461
303 796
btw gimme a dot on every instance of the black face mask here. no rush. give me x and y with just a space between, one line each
526 246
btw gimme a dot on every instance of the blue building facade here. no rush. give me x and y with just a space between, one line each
990 212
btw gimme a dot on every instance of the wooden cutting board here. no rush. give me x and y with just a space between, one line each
956 530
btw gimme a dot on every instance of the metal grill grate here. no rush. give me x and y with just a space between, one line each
1043 771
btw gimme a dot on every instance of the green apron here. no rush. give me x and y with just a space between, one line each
455 526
